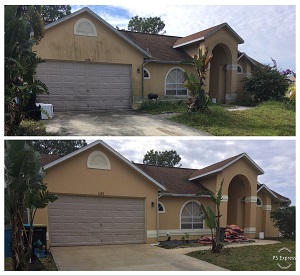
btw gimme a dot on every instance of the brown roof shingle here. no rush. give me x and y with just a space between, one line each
48 158
203 34
160 47
174 179
214 167
195 36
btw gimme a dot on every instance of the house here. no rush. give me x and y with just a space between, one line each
90 65
106 199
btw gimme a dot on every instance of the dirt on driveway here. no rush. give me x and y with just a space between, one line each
116 123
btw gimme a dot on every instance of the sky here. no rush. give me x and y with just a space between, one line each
269 31
277 157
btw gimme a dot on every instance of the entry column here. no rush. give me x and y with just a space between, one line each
250 216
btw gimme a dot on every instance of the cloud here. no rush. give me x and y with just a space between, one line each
268 31
276 157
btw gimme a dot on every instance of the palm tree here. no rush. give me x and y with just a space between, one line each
23 29
198 101
24 190
212 220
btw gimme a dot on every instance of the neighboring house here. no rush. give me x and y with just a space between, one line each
106 199
90 65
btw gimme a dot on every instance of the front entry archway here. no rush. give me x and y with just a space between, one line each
238 189
218 80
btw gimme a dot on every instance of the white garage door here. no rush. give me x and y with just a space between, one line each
85 86
83 220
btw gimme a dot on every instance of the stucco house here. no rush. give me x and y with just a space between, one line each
90 65
106 199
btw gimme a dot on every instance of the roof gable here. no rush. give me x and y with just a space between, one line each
276 196
202 35
102 21
220 166
107 147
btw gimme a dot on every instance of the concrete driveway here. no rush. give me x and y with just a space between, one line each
116 123
130 257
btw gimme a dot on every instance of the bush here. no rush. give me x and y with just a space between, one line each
31 128
266 83
285 221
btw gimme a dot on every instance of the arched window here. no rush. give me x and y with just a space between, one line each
98 160
146 74
259 202
174 82
191 217
85 27
239 69
161 208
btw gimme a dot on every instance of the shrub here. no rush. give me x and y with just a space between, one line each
285 221
30 128
266 83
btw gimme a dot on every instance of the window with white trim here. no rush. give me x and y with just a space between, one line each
174 83
239 69
191 216
98 160
161 208
146 74
85 27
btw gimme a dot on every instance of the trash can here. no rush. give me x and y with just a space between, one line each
38 238
7 242
221 234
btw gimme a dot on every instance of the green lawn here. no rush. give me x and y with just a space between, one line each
267 119
253 257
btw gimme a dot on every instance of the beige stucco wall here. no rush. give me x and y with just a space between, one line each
158 73
247 69
73 177
170 221
60 43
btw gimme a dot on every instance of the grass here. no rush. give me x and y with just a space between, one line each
267 119
253 257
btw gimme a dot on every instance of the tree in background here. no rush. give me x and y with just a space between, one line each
23 29
167 158
24 189
267 83
59 147
55 12
151 25
285 221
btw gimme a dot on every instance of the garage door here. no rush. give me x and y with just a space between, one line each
83 220
85 86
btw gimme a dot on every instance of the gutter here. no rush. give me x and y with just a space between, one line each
143 66
157 217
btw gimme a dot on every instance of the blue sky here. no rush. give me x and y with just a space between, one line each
277 157
268 31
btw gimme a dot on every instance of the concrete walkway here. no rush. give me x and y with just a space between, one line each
227 245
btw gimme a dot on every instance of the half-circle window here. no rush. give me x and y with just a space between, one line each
98 160
191 216
85 27
174 83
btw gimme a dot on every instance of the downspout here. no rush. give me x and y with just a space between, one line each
157 217
143 66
